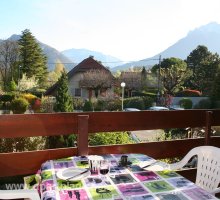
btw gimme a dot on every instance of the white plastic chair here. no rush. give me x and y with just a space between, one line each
18 194
208 167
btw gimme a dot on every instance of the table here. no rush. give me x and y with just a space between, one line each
131 182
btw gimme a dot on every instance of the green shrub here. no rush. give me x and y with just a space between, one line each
185 103
109 138
204 104
29 97
19 105
148 101
7 97
78 103
101 105
134 102
87 106
114 105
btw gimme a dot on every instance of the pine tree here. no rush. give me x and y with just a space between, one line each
64 101
33 60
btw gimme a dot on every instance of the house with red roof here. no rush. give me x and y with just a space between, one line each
76 75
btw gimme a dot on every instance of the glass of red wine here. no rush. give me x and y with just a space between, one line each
104 167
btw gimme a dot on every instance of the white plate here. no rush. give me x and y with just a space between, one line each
72 171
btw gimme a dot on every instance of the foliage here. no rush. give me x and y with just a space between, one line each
132 81
21 144
64 102
188 93
26 83
8 97
173 74
204 65
36 105
47 104
87 106
114 105
12 86
204 104
135 102
19 105
185 103
33 61
78 103
101 105
109 138
148 101
96 80
143 78
9 54
215 94
29 97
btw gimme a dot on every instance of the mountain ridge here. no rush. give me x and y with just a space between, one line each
207 35
78 55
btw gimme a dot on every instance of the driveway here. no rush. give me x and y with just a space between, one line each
146 135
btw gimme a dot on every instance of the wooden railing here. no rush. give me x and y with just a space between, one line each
17 163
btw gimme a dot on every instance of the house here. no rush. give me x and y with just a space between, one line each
76 75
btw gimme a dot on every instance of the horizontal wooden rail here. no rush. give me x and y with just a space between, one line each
12 126
29 162
28 125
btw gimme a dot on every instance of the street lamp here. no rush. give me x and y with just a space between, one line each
122 95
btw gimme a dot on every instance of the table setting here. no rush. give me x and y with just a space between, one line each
112 176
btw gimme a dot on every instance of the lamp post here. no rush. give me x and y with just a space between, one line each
122 95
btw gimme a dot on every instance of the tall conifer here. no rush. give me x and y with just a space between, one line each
33 60
64 101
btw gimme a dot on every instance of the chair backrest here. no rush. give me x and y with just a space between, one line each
208 166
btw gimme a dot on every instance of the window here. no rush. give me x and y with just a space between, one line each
77 92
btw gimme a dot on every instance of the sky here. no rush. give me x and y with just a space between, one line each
127 29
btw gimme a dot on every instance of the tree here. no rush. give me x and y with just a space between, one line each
215 95
173 74
96 80
143 78
9 57
204 65
64 102
54 75
26 83
132 81
33 61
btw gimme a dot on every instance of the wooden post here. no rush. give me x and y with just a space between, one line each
83 135
208 127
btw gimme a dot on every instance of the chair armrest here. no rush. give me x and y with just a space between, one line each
217 190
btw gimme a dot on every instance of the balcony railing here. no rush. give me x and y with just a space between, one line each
29 125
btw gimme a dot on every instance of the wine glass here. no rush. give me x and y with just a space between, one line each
104 167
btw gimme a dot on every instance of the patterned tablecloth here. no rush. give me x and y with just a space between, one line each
132 182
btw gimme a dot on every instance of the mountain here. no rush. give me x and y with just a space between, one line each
53 55
207 35
77 55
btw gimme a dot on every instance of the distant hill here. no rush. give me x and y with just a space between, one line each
78 55
208 35
52 54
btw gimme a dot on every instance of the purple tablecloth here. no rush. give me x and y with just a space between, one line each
131 182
